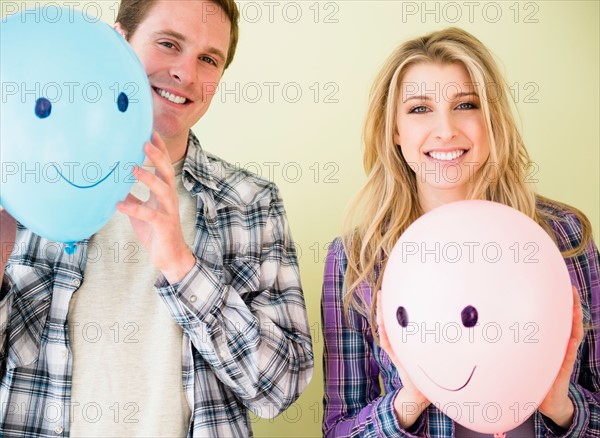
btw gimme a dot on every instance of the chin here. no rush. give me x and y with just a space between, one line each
168 130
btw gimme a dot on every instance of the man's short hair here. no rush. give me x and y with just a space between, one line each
132 13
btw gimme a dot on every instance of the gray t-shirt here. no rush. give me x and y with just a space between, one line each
127 349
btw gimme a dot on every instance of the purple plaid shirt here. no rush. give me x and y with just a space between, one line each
356 406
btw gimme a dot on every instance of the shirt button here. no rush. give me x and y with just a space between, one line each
193 299
76 282
58 430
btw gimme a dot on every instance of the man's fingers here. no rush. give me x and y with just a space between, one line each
138 211
159 155
132 199
159 143
157 186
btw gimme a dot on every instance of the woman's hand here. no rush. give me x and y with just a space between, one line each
557 406
410 402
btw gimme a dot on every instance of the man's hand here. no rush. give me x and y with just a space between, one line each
156 222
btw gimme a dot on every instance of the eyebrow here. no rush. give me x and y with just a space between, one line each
428 97
181 37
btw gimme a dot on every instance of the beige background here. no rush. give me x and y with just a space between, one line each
330 51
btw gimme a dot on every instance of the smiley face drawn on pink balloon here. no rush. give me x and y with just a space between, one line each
477 303
450 389
469 316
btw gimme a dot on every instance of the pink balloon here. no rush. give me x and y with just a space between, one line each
477 304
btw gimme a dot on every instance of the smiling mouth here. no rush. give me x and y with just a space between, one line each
178 100
450 389
91 185
447 156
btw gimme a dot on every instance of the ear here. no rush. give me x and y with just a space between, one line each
121 30
396 137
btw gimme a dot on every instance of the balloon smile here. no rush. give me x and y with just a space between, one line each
91 185
449 389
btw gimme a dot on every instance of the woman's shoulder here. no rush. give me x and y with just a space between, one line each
336 252
337 246
565 222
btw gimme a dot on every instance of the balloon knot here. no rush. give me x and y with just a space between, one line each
70 248
500 435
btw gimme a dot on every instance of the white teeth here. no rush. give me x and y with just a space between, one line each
446 156
171 97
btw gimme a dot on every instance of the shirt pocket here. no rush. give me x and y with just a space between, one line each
27 320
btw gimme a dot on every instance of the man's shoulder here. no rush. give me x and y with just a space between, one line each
236 185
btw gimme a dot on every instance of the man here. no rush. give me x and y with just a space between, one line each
181 313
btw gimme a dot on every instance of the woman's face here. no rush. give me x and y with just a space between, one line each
441 130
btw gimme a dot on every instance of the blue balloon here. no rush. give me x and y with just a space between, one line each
75 112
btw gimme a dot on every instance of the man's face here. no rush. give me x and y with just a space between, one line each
182 45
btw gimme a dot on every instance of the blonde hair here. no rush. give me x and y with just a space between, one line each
388 203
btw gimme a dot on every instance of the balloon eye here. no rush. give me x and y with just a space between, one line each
43 107
122 102
402 316
469 316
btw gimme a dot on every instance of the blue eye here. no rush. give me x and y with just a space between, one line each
467 106
122 102
419 109
43 107
402 316
469 316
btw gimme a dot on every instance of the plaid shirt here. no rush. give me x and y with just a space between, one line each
241 309
353 363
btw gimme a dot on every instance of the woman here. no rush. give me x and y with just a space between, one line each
440 101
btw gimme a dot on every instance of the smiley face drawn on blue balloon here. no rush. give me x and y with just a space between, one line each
76 110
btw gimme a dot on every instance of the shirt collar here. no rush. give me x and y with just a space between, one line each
197 168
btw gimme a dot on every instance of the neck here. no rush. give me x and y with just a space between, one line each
430 199
176 146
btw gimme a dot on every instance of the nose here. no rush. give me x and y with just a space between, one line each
183 70
446 127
